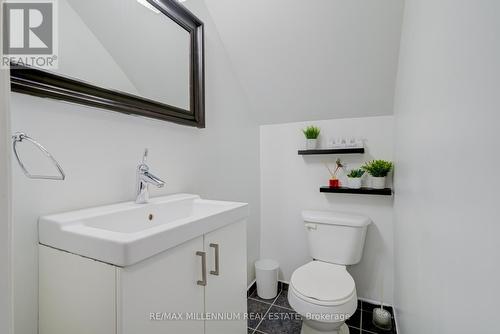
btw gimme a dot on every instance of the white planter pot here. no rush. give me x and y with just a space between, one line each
312 144
354 182
378 182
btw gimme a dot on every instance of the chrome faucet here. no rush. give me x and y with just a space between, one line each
144 178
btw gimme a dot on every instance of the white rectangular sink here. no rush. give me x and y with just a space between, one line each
127 233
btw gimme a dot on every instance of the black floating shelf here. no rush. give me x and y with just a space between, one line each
366 191
333 151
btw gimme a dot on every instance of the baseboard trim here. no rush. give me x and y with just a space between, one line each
251 288
282 285
395 319
254 282
371 301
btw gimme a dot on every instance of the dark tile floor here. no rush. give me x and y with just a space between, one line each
275 316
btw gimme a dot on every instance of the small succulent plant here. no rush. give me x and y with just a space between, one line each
311 132
356 173
378 168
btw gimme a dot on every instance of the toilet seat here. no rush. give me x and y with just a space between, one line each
324 284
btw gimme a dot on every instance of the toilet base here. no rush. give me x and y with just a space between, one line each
309 330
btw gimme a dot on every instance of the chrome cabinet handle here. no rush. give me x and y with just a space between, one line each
203 281
216 271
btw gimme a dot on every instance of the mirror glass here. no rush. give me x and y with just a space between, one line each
127 46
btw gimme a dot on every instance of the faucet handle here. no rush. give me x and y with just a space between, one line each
145 156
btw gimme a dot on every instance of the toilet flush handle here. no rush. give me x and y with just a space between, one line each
311 227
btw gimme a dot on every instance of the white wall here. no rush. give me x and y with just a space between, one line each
446 209
290 183
100 150
310 60
5 203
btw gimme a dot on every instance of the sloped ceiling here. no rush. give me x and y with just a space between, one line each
303 60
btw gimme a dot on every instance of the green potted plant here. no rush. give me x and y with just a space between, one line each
378 169
354 178
311 133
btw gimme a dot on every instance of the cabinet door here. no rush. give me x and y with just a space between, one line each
158 288
76 294
226 289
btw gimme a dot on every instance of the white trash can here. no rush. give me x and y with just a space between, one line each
266 271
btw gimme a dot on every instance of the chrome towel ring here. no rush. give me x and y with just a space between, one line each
20 137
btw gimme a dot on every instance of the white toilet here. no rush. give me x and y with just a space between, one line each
322 291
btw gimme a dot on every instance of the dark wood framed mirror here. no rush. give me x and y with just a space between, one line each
152 49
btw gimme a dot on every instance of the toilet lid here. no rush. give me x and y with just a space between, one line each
323 281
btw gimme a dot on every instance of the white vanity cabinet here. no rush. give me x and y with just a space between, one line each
79 295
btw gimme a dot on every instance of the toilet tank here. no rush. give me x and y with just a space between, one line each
335 237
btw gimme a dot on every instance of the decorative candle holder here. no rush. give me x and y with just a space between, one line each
334 183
